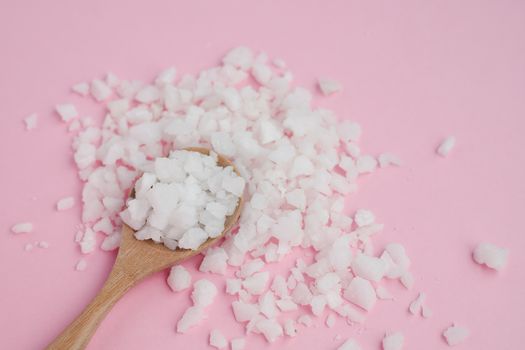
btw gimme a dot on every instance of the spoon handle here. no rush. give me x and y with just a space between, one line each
77 335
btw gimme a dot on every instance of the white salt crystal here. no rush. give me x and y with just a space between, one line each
251 267
81 88
104 225
148 94
31 121
301 294
112 80
279 63
179 278
491 255
383 293
111 242
286 305
361 293
217 340
238 344
426 312
74 126
167 76
329 86
386 159
214 261
297 198
270 328
243 311
87 244
455 335
256 283
65 203
240 57
416 304
349 131
100 90
301 166
407 279
193 238
366 164
330 321
81 265
290 328
233 286
23 227
204 292
368 267
191 317
364 217
43 244
267 305
28 247
305 320
349 344
393 341
66 111
446 146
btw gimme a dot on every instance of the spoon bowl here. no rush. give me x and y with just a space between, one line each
135 260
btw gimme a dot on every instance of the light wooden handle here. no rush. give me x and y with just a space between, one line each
77 335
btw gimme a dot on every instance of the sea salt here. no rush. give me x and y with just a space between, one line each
31 121
65 203
23 227
446 146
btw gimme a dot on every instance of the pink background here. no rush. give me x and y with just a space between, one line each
413 72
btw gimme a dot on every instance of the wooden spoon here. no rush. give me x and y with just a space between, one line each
135 261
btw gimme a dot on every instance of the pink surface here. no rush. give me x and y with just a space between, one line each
413 72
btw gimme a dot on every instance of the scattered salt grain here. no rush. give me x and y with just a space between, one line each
415 306
28 247
349 344
270 328
23 227
74 125
65 203
66 112
290 328
233 286
366 164
256 283
361 292
204 293
191 317
243 311
455 335
81 88
305 320
217 340
43 244
383 293
31 121
386 159
330 321
329 86
426 312
100 90
214 261
393 341
81 265
238 344
491 255
179 278
446 146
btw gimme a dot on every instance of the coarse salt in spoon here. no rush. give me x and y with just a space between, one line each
136 260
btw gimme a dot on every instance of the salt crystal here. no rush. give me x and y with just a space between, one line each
270 328
191 317
256 283
204 293
81 265
415 306
43 244
329 86
243 311
28 247
233 286
290 328
214 261
217 340
393 341
386 159
330 321
361 293
455 335
65 203
446 146
81 88
238 344
305 320
491 255
31 121
23 227
179 278
349 344
66 111
100 90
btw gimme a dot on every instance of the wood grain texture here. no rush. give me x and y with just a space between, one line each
135 261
